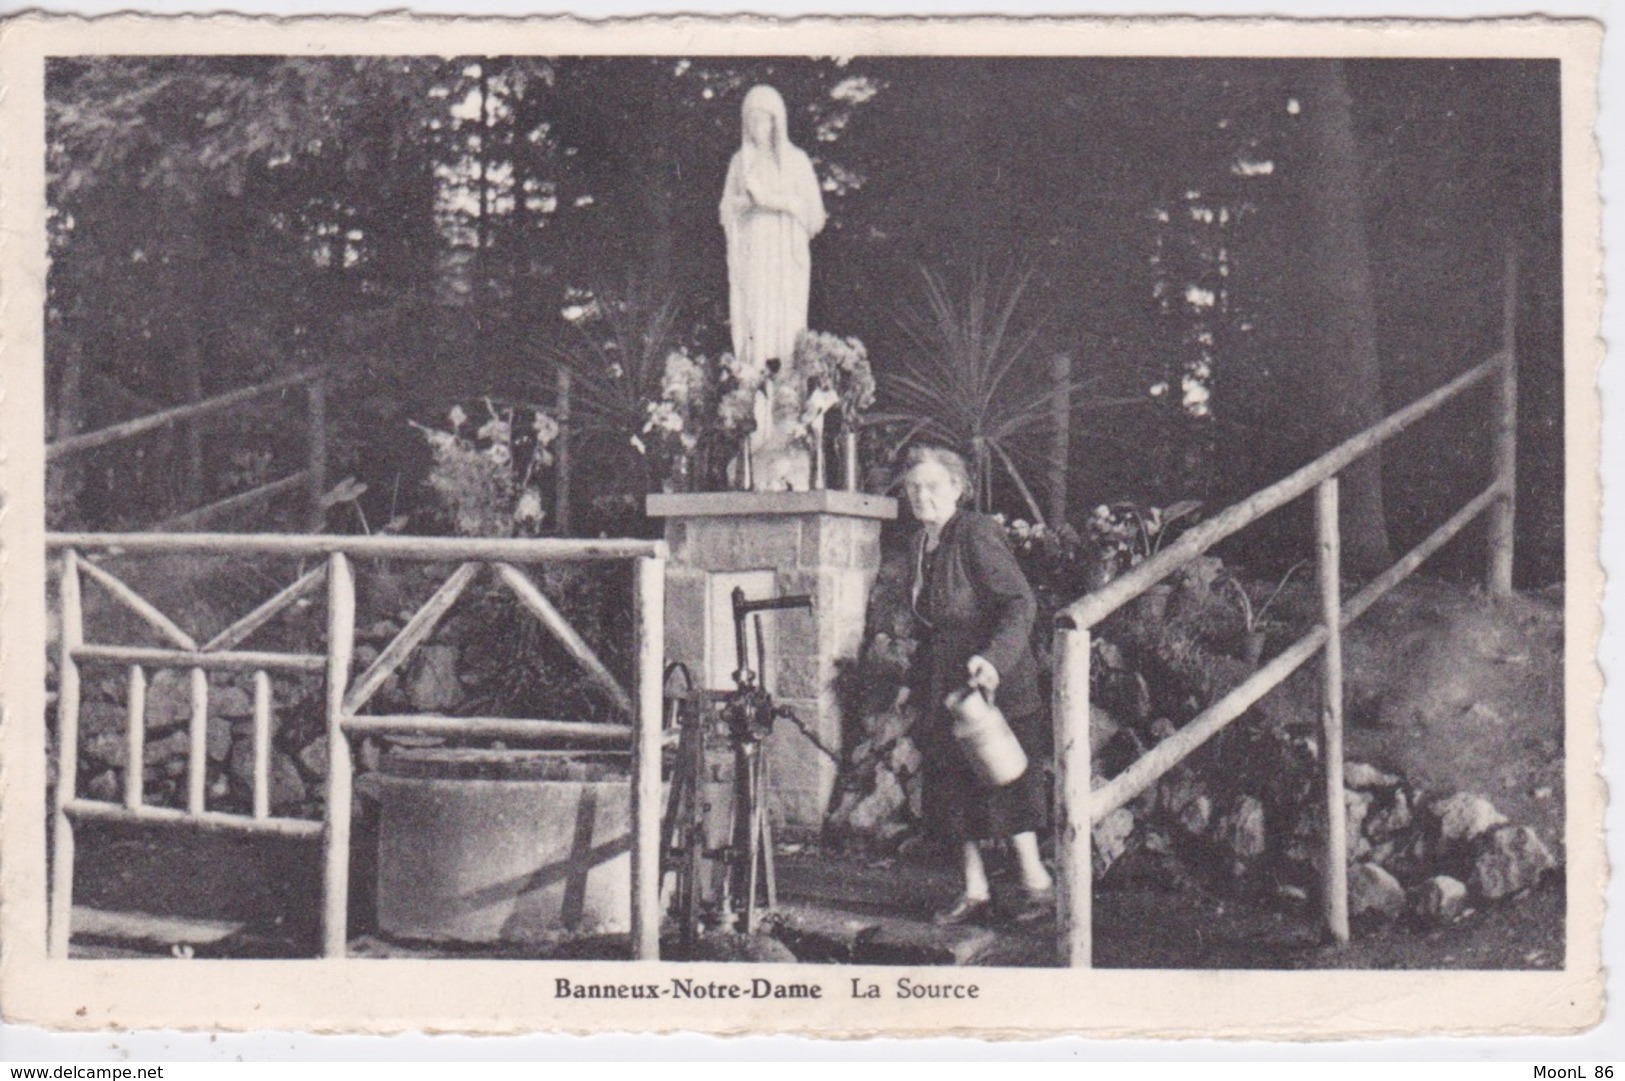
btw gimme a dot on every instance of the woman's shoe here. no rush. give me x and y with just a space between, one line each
1033 906
963 911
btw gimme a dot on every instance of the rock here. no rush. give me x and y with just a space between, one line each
384 628
314 758
1196 815
433 685
1439 900
1464 817
219 739
241 763
1374 892
370 754
100 717
1242 829
1102 727
105 786
1356 806
232 701
169 700
1390 818
914 787
287 787
174 747
105 749
1110 839
905 756
1186 798
1359 775
890 725
880 804
1511 858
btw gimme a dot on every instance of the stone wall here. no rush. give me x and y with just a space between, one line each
825 544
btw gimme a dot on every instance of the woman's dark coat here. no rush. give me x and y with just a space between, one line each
970 598
977 602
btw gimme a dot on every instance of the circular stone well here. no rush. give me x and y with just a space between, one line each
503 845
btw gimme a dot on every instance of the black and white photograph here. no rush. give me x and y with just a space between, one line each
864 532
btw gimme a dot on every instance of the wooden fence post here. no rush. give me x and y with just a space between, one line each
1073 774
67 757
197 749
649 623
1334 878
336 838
1506 435
316 418
135 738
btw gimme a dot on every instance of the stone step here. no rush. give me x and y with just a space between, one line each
824 933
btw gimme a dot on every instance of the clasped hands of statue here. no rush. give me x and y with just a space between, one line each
763 197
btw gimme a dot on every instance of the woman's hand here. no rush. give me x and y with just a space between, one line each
982 673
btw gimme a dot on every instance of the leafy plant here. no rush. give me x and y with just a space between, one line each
1127 533
837 372
975 380
1253 619
488 482
1054 559
617 364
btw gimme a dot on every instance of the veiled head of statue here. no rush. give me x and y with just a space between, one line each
771 133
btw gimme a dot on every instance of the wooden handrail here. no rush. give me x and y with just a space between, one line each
1150 767
426 549
103 436
213 662
508 728
234 502
1090 609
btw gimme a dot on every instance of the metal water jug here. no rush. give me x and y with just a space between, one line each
991 748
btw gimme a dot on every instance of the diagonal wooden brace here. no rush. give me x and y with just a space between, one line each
551 618
418 628
235 634
138 604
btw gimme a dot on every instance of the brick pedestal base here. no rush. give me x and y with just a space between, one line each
824 543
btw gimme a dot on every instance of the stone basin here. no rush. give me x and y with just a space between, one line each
484 846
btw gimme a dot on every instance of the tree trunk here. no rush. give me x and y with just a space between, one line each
1060 435
1344 381
64 477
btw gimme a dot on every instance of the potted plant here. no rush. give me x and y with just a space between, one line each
1255 624
1127 533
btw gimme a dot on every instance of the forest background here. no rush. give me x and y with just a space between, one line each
1244 261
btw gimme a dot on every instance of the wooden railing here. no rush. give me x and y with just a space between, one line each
312 479
1078 806
345 695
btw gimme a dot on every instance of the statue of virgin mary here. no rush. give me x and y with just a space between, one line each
771 209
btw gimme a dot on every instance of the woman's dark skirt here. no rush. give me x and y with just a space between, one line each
961 808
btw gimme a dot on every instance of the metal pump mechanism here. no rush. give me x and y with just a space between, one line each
743 716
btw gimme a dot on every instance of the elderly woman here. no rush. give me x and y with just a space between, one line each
975 612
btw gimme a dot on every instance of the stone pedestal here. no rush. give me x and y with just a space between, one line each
823 543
